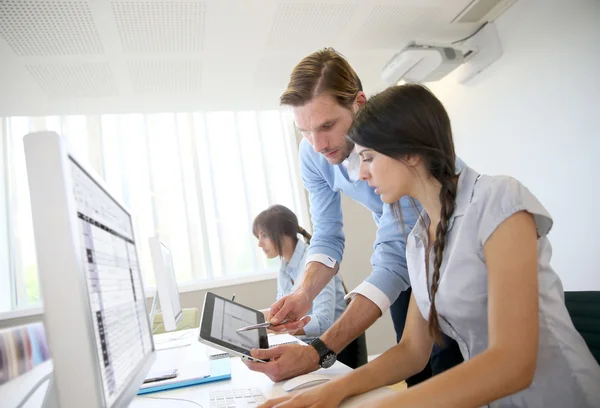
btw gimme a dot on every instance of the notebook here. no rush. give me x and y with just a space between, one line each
199 373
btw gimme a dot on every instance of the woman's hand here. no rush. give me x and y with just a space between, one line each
322 396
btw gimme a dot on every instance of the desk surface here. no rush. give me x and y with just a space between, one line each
195 353
241 377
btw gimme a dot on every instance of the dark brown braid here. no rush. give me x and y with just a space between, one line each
305 234
448 200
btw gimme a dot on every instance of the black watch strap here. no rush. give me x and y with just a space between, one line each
326 357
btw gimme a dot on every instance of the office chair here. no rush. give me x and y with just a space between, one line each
584 308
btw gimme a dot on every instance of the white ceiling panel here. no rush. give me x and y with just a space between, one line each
34 28
274 71
168 26
74 79
308 25
112 56
393 26
165 77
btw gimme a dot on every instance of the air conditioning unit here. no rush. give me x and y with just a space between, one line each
421 63
480 52
428 63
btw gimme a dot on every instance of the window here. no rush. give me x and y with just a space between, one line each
197 180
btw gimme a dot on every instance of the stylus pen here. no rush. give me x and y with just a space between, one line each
257 326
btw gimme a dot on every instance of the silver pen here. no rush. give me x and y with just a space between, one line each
258 326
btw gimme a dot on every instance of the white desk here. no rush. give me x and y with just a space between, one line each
241 377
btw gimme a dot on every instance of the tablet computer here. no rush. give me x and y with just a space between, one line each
221 318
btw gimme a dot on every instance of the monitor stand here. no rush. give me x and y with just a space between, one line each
169 340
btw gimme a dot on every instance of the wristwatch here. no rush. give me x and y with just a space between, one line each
326 357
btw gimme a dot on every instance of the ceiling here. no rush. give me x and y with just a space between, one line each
102 56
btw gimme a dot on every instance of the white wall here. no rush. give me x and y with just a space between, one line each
535 115
360 229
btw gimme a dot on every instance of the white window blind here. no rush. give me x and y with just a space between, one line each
197 180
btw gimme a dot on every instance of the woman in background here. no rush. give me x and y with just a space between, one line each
277 230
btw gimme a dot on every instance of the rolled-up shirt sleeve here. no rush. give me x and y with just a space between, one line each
373 293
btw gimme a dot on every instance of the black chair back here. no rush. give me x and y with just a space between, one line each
584 308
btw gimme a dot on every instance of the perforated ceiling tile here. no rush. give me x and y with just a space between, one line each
161 26
394 26
308 24
162 77
34 28
93 79
274 71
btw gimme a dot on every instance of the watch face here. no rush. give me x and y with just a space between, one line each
328 360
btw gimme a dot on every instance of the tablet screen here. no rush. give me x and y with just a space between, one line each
227 318
221 318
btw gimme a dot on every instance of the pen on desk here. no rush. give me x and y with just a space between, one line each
233 297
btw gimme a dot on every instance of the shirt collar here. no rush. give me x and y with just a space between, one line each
352 166
464 192
419 231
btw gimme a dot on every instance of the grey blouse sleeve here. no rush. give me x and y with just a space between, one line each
502 197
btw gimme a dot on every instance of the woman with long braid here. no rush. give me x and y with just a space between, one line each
479 265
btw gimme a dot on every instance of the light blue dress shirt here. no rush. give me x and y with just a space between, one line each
327 307
567 375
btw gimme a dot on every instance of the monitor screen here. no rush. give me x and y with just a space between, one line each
123 335
171 281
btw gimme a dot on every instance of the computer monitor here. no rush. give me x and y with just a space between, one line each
94 305
166 284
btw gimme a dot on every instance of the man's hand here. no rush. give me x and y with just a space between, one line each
292 308
281 328
286 361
